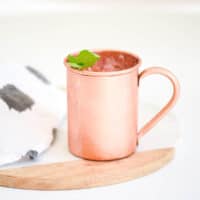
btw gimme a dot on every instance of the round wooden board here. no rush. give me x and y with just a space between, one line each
85 174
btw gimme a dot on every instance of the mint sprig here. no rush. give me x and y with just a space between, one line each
83 60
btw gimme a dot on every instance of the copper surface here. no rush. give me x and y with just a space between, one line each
102 108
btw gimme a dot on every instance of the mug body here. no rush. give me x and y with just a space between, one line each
102 110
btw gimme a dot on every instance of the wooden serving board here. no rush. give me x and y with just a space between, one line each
85 174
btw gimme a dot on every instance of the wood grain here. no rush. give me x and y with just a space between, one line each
85 174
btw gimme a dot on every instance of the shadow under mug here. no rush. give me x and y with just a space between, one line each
102 108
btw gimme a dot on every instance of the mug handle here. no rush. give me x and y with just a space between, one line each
176 91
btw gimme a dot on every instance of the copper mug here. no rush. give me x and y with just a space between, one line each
102 108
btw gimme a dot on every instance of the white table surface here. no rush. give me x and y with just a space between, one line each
163 37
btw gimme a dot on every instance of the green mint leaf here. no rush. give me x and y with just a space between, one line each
74 65
84 60
71 59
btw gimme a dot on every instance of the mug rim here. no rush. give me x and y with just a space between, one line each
110 73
